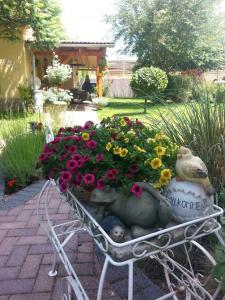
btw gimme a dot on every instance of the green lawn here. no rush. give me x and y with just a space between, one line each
12 126
134 108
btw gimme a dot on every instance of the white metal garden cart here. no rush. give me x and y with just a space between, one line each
181 278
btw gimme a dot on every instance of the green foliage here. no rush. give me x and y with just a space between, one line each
26 94
42 15
219 269
148 81
105 89
19 157
179 88
200 126
172 34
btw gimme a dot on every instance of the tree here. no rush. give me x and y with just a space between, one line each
172 34
42 15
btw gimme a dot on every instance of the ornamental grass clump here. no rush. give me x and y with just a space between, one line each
117 153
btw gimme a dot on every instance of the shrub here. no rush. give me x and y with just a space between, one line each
146 82
19 157
179 88
26 94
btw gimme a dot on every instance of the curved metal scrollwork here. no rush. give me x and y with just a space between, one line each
159 245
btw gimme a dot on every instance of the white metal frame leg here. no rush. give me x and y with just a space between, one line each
53 272
130 280
102 278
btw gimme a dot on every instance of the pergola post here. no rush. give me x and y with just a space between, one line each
99 82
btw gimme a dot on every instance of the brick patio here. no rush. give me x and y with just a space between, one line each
26 256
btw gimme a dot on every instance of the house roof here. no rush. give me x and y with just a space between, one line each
86 44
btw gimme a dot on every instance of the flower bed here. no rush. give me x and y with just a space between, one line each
117 153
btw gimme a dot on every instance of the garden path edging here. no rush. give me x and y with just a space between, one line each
21 196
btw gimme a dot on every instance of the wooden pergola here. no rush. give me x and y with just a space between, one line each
80 55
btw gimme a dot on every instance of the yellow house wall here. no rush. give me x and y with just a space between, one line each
15 67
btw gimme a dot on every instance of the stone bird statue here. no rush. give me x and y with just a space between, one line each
192 168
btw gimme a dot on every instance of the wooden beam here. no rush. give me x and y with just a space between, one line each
99 83
67 59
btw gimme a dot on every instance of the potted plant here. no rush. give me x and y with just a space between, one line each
115 154
56 75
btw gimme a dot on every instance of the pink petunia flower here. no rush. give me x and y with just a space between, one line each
86 158
80 163
61 129
89 178
91 144
110 176
65 176
92 132
63 187
128 121
77 156
63 156
71 164
100 184
136 190
76 138
78 178
88 124
113 171
72 149
129 175
99 157
133 168
43 157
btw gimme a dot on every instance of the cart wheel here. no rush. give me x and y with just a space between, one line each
188 272
67 291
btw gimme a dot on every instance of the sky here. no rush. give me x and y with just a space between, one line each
84 21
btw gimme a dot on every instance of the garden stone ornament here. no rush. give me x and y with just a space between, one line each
150 210
192 168
190 193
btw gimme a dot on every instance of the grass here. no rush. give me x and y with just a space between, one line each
134 108
15 125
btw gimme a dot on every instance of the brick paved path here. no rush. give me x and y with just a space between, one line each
26 255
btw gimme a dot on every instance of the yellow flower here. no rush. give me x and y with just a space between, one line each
85 136
158 136
150 141
117 150
156 163
123 152
108 146
163 181
123 122
166 174
126 140
157 185
139 149
160 150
